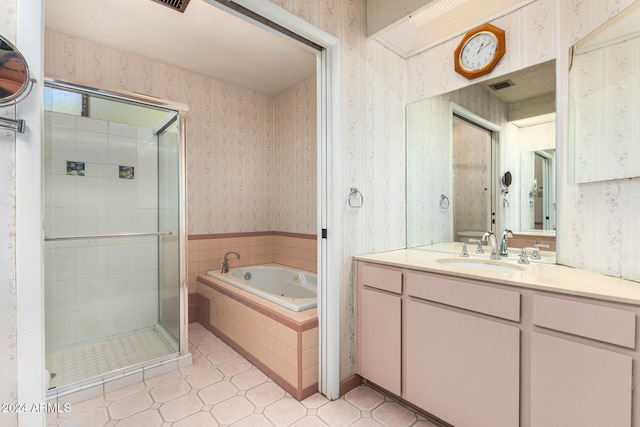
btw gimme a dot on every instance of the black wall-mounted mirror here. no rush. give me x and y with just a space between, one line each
15 82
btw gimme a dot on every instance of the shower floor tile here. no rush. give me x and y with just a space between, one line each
92 360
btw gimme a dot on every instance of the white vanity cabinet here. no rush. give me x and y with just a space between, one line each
575 382
477 353
379 326
459 366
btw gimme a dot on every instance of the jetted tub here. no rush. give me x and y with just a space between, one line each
292 289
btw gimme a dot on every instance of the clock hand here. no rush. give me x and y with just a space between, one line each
482 47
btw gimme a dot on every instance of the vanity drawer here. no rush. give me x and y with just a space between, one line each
382 278
465 294
611 325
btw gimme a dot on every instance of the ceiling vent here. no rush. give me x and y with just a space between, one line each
179 5
502 85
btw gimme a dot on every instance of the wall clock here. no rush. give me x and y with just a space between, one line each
479 51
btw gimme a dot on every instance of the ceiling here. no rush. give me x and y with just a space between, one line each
207 40
531 99
528 83
203 39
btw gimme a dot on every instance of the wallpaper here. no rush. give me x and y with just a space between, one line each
294 172
251 158
371 140
8 361
530 40
370 145
597 222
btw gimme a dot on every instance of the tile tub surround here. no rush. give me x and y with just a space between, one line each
205 251
222 388
280 342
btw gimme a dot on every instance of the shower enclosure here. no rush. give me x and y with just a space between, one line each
115 267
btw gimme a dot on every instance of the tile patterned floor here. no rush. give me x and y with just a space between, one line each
91 360
221 388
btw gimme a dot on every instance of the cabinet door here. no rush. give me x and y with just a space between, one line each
578 385
461 368
379 336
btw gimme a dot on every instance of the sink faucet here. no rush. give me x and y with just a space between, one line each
504 249
491 239
536 251
225 261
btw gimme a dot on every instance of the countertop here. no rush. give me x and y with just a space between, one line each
537 275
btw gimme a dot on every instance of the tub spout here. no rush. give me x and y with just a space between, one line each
225 261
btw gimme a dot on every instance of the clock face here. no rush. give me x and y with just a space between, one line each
478 51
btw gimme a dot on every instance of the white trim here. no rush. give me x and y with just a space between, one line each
474 118
329 187
29 224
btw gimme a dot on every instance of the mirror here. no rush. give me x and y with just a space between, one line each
604 101
537 201
14 74
519 110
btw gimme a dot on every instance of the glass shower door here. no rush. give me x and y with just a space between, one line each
169 219
112 255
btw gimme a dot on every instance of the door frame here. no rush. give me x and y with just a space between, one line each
471 117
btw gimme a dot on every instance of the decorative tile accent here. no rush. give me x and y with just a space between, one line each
75 168
126 172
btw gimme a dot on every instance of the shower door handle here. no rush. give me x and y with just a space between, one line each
108 236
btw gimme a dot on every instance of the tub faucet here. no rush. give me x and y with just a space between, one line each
491 239
225 261
504 249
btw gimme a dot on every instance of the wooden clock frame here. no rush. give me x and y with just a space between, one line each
501 48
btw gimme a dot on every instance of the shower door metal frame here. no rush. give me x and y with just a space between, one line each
181 110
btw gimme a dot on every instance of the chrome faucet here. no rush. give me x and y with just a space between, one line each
479 249
464 253
536 251
225 261
523 257
492 241
504 249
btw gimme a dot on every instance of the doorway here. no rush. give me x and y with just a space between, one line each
474 157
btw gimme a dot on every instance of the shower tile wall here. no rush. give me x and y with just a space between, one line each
102 287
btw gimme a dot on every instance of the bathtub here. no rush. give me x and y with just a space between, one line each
292 289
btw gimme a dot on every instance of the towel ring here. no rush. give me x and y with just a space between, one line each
355 198
444 202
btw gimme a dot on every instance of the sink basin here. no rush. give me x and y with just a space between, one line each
481 264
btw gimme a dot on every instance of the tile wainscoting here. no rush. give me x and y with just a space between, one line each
205 252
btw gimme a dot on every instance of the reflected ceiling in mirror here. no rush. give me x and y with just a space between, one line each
14 73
